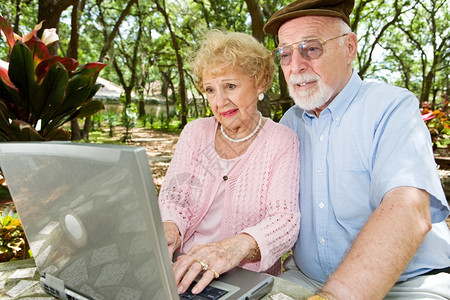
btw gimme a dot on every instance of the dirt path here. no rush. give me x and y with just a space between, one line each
159 146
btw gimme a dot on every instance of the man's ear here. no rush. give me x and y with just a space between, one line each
352 46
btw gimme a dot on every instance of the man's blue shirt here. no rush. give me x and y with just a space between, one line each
367 141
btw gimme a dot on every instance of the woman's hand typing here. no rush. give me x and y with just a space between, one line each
212 259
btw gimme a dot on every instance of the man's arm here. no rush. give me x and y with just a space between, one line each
383 248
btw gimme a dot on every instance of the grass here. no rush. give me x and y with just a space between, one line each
101 134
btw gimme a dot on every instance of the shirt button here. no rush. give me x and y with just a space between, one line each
321 205
322 241
337 118
321 138
319 170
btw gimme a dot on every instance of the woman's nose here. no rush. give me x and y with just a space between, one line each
222 97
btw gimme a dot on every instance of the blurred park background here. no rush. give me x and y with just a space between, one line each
147 44
147 91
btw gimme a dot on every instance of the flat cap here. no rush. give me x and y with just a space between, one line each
333 8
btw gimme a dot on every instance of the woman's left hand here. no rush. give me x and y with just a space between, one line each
172 236
214 259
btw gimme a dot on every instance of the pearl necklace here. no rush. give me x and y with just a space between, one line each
244 138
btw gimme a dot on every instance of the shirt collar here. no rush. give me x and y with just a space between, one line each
340 104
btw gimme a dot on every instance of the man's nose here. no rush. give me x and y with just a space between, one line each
298 63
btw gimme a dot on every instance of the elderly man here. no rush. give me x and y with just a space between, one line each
372 207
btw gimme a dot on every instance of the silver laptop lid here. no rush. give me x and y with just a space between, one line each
91 217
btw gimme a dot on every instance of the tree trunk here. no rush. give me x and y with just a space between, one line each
50 11
141 110
257 19
256 14
167 110
109 38
364 66
427 83
182 84
86 127
73 53
195 106
17 17
285 101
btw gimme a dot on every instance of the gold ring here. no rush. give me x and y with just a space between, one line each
203 264
216 275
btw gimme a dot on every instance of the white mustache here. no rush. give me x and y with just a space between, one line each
302 79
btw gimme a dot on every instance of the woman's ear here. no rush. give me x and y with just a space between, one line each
260 90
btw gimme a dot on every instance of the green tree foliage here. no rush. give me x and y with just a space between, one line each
420 50
403 42
21 15
371 21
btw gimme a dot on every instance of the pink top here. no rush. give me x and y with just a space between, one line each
260 193
209 229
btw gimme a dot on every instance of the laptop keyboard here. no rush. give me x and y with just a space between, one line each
209 293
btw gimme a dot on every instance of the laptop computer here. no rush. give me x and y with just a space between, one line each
91 217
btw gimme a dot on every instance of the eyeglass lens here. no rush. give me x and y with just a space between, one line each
310 49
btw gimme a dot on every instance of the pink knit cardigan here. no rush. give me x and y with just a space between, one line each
261 193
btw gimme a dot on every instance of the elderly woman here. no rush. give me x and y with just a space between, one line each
229 197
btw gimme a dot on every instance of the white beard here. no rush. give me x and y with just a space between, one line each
313 98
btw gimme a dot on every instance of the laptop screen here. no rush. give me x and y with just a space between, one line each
91 217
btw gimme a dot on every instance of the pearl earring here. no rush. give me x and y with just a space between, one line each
261 96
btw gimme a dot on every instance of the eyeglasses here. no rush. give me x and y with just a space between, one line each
309 49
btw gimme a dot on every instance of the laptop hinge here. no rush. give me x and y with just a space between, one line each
54 286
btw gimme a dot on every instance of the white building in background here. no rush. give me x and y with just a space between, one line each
109 91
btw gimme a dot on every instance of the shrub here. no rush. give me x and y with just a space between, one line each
438 123
39 92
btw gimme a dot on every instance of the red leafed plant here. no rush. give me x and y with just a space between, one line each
437 120
39 92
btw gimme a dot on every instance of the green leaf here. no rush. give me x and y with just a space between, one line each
90 69
51 93
88 109
58 120
10 97
22 131
77 93
6 220
41 70
94 90
58 134
5 212
4 113
21 73
79 81
4 137
8 31
38 49
5 131
5 77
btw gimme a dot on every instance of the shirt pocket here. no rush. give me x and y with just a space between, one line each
350 197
